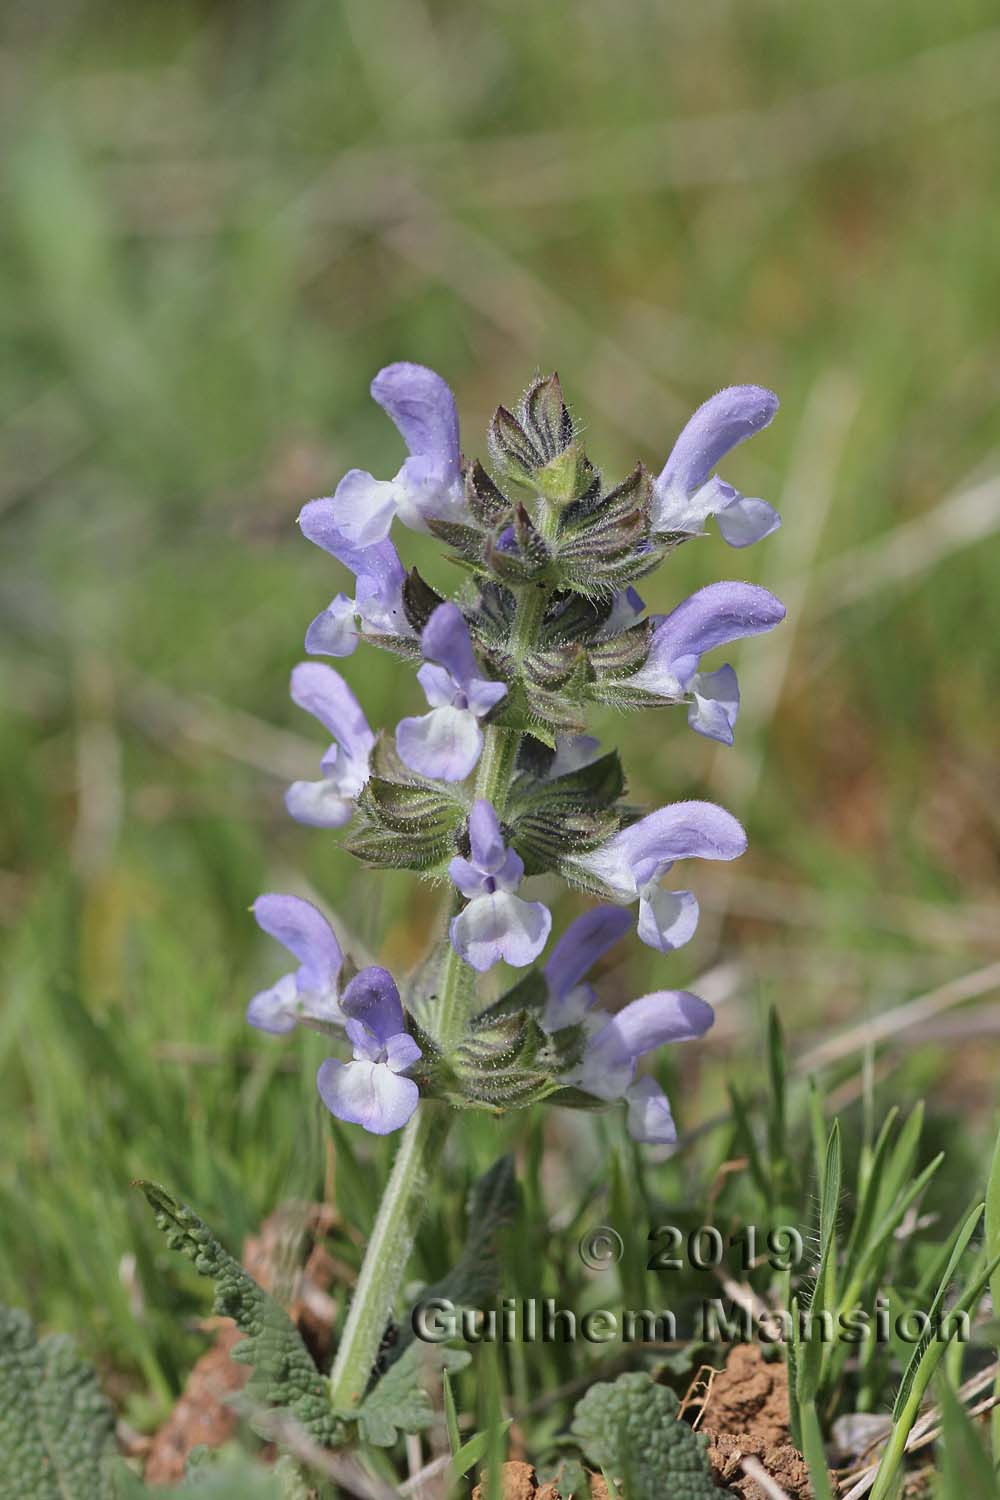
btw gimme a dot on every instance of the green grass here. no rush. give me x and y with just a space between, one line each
219 222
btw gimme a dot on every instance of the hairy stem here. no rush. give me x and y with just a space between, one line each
388 1252
406 1193
456 988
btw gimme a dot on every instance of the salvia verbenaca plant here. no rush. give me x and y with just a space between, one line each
498 781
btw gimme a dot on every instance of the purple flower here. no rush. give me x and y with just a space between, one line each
631 865
329 803
309 994
446 743
572 958
609 1061
628 605
649 1117
686 492
429 483
377 605
573 752
495 924
713 616
371 1090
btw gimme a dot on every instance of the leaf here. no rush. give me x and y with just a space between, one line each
220 1477
512 451
992 1248
531 545
506 1065
812 1352
472 1452
450 1414
408 806
529 993
745 1139
920 1378
776 1093
493 1203
404 824
545 839
545 417
857 1243
598 785
285 1375
624 655
467 541
56 1426
965 1468
813 1451
399 1401
475 1276
554 668
573 617
419 600
958 1250
487 503
595 510
631 1430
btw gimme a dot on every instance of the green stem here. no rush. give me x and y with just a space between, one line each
407 1191
388 1252
457 982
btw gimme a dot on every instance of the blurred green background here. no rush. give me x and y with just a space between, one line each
219 220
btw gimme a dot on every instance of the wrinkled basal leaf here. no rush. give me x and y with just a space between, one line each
285 1375
56 1425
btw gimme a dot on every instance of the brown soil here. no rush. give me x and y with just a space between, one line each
201 1416
746 1415
520 1482
784 1463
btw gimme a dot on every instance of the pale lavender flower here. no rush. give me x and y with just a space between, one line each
430 482
612 1051
649 1120
686 492
377 606
711 617
495 924
581 945
626 608
329 803
446 743
573 752
631 865
371 1090
310 994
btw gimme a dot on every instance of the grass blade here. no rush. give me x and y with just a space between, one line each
992 1249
